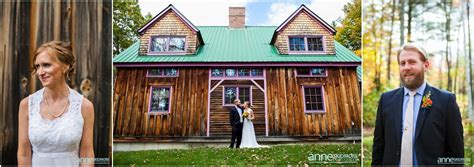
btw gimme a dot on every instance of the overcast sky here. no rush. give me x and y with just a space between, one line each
258 12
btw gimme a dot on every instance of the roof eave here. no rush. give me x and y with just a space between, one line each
237 64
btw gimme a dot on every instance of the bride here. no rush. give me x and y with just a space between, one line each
248 133
55 123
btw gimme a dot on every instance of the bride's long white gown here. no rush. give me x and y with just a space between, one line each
55 142
248 135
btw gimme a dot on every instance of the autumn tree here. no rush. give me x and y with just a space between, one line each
127 20
349 33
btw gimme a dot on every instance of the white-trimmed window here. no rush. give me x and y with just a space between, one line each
162 72
165 44
297 44
315 43
302 44
244 93
314 99
311 72
160 100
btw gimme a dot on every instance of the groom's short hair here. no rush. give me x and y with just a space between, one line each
236 100
424 56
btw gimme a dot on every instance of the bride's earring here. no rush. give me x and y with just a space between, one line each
67 75
68 78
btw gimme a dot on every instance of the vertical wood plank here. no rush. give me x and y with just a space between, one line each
289 98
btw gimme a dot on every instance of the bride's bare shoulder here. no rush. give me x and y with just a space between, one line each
87 107
24 104
23 109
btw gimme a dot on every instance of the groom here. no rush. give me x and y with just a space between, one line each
236 121
417 124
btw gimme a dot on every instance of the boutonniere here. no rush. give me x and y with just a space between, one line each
426 101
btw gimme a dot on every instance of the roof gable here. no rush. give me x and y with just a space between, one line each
312 15
163 13
170 8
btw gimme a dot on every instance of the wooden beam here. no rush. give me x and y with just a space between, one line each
265 99
209 103
256 84
222 80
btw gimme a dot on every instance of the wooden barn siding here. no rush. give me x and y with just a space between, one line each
286 107
219 115
26 26
188 115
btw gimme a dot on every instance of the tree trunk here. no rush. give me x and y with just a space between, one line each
470 65
458 53
447 14
410 10
381 47
402 22
389 60
377 57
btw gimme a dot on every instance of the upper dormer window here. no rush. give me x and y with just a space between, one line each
163 44
306 44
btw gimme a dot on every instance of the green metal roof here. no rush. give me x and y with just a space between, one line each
223 44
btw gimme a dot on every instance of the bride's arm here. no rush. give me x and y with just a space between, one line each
24 145
87 141
251 116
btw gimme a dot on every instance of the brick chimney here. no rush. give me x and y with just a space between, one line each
237 17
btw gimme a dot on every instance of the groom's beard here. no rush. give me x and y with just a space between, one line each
412 79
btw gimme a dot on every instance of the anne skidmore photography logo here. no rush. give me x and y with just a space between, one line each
333 158
451 160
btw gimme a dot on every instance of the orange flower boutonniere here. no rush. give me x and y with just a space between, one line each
426 101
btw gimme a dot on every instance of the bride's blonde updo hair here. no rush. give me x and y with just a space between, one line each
62 51
248 104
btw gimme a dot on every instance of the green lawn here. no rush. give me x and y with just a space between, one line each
274 155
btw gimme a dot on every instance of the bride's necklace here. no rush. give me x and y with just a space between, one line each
60 113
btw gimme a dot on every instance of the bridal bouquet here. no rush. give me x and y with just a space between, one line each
245 114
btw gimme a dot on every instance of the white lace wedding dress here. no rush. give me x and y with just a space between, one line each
55 142
249 140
